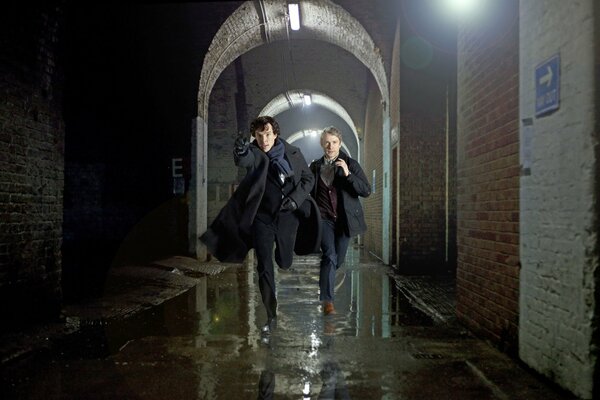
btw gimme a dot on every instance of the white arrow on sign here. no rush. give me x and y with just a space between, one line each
547 79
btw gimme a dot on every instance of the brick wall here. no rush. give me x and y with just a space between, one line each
426 184
324 21
222 130
31 164
373 161
422 191
488 176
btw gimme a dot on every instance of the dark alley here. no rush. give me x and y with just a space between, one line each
162 164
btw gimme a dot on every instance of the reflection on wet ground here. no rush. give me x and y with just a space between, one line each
207 344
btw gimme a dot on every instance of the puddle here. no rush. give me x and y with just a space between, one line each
367 303
211 335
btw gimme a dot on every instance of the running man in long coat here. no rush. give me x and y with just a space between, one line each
266 209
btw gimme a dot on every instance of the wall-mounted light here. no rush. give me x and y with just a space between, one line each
294 11
307 100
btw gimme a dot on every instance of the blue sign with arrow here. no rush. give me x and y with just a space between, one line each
547 86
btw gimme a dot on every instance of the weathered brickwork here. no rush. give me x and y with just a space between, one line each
222 131
488 178
558 329
323 21
373 161
422 191
238 34
31 165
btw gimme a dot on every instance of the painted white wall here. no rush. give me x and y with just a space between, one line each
558 220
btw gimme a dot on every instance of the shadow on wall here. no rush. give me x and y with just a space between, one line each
85 264
159 234
25 303
413 261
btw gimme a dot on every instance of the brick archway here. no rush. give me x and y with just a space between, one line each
258 23
293 98
248 28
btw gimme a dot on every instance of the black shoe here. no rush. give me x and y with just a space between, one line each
269 326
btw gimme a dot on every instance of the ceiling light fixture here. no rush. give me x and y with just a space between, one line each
294 11
307 100
464 8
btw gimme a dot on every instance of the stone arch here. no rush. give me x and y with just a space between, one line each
248 28
302 134
293 98
254 24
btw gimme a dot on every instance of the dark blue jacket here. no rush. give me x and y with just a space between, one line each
348 188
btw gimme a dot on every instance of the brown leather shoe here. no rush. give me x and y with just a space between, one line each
328 308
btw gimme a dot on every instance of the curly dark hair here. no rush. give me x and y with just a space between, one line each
259 124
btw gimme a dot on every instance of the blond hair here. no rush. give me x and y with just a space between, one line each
332 130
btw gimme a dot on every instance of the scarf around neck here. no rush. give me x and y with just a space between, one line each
277 159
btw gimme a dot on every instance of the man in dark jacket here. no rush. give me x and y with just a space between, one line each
339 181
264 210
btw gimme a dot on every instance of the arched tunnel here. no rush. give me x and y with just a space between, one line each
475 124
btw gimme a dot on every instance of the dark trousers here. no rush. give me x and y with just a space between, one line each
281 232
334 245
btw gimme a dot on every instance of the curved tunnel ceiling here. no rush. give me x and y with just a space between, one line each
294 99
294 137
248 28
280 67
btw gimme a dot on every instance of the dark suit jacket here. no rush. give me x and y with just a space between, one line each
348 190
229 237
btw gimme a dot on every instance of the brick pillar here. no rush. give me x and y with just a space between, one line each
31 165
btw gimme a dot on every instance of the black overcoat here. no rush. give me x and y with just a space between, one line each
229 237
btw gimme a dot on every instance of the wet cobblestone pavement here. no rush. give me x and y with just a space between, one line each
206 344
